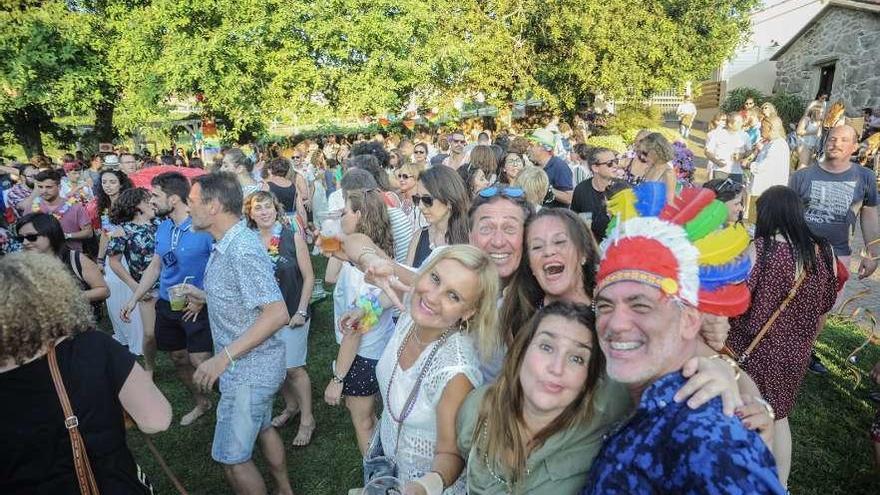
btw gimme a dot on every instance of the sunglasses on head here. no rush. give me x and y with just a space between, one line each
27 237
404 176
730 185
506 192
428 200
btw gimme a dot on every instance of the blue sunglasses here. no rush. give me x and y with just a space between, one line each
507 192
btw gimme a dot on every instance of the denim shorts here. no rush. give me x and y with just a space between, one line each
242 413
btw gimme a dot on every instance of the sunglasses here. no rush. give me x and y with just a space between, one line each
418 152
507 192
609 163
730 185
459 141
428 200
643 155
404 176
28 237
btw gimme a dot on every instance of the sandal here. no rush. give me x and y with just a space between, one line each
304 435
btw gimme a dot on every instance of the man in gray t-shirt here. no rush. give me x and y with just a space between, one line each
836 192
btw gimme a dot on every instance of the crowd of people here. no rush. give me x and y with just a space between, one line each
515 312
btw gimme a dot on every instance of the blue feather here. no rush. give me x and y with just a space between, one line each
713 277
650 198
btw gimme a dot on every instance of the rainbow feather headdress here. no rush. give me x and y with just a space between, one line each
678 248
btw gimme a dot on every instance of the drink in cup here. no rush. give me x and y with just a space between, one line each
331 229
177 294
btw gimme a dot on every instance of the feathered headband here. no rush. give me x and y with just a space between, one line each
678 248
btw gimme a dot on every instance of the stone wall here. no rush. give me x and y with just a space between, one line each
848 37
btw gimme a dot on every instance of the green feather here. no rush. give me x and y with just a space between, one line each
708 220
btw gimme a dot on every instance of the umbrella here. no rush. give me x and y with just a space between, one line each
142 177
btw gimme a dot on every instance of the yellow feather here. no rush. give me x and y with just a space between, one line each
722 246
623 206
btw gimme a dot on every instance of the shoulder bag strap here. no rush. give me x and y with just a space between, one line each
76 264
84 475
766 327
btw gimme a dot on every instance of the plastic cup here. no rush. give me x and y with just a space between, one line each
329 244
178 298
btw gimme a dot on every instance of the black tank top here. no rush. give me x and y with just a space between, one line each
287 195
423 248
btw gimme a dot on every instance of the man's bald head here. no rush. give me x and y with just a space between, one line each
842 142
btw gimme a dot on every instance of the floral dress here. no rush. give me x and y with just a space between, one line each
8 243
137 246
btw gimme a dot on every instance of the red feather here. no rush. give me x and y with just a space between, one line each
730 300
686 207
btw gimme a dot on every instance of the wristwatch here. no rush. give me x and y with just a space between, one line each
304 314
67 236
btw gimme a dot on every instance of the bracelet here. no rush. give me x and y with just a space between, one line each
304 314
727 359
229 356
336 377
766 405
432 482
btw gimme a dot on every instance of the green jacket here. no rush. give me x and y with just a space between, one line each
562 464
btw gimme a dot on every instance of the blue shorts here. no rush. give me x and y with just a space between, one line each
242 413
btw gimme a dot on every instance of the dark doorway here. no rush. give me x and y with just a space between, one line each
826 79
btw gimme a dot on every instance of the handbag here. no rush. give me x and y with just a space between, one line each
376 464
742 358
84 475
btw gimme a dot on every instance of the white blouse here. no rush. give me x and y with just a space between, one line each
418 439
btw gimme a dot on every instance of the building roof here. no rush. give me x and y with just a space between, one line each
864 5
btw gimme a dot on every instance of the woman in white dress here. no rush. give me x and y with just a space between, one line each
431 364
809 130
773 163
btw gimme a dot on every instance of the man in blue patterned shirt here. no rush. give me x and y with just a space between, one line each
648 323
245 309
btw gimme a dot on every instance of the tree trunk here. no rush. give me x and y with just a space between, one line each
26 127
104 131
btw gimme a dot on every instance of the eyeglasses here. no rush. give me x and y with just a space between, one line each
506 192
404 176
28 237
729 185
428 200
609 163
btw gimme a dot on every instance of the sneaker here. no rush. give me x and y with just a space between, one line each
816 366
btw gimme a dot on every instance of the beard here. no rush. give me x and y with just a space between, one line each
163 212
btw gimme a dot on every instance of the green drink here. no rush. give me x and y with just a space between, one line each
177 294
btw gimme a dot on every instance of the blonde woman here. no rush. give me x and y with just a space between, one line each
432 357
653 154
809 132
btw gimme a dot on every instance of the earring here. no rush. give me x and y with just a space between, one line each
464 326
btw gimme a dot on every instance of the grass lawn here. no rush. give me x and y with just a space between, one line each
831 446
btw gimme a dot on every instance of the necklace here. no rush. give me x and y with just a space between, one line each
414 393
500 479
274 243
59 212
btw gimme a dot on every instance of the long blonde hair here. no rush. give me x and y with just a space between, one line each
483 325
39 303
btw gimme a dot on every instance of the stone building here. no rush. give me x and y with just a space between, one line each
838 53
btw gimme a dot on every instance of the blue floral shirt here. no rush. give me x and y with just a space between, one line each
665 447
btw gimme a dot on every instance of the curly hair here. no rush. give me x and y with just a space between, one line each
263 197
102 197
126 206
39 303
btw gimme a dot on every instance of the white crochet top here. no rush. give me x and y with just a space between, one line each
418 439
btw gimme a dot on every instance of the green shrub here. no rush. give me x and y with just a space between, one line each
629 119
612 142
735 99
789 107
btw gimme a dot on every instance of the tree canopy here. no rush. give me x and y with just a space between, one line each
257 61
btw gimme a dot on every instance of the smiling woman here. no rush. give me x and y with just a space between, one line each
559 264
